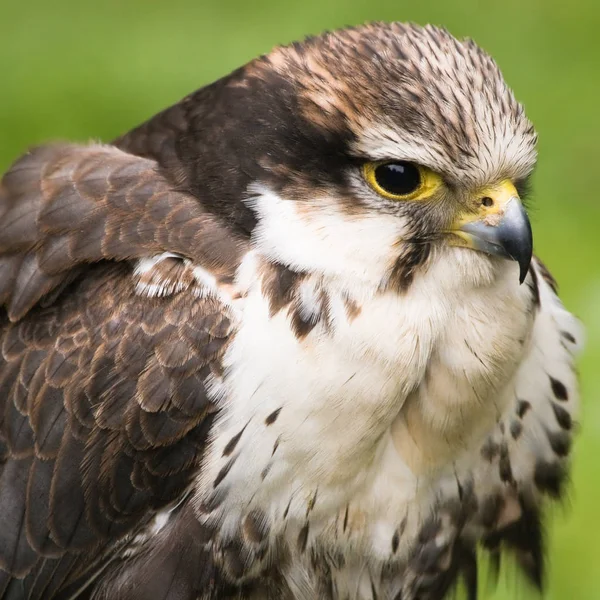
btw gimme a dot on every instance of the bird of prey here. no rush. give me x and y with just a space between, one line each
285 340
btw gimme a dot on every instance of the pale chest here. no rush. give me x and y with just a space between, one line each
314 422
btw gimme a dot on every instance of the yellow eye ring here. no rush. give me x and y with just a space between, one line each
401 180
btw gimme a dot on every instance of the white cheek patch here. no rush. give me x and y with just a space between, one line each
323 238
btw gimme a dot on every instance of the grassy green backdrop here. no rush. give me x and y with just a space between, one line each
90 70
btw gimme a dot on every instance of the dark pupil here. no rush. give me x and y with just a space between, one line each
400 178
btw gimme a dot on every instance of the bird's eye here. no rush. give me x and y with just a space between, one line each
400 180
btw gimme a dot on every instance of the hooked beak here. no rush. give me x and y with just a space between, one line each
500 226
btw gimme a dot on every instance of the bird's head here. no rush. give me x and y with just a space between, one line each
371 152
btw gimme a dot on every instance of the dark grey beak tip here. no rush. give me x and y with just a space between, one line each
523 270
516 238
522 274
511 238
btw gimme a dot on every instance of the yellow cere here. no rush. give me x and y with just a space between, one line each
430 182
499 195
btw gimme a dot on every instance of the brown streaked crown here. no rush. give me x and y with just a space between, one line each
299 118
419 82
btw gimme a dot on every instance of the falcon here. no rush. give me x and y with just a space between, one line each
285 340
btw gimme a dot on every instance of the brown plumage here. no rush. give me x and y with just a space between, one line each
106 415
105 411
65 206
126 273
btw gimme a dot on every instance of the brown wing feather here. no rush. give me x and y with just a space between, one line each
104 409
95 441
64 206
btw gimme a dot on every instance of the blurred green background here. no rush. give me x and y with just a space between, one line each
91 70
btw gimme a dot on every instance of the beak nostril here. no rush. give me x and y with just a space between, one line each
507 234
487 201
